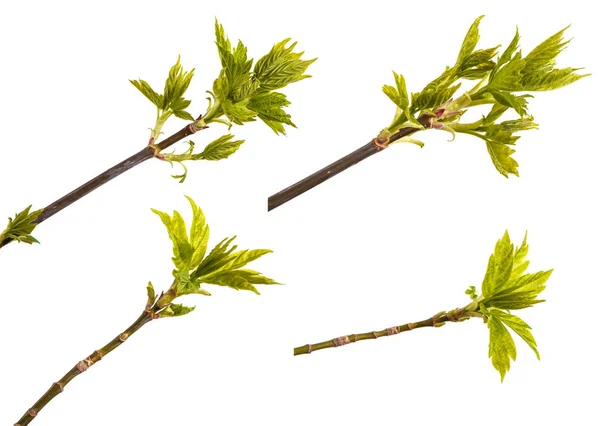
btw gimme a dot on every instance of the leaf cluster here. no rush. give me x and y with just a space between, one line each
502 80
223 265
507 287
245 93
21 226
171 101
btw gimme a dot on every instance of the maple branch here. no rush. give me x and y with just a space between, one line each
371 148
437 320
146 153
84 365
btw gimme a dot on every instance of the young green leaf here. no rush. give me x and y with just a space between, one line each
176 310
219 149
281 66
469 42
500 266
148 92
520 327
20 227
177 83
520 262
501 157
502 346
269 108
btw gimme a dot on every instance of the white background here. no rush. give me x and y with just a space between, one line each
395 239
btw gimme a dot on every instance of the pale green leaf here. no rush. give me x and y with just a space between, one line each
502 346
199 233
520 262
510 50
269 107
520 327
392 93
520 292
182 251
176 310
518 103
281 66
469 42
184 115
151 294
499 266
220 148
176 84
501 157
21 226
148 92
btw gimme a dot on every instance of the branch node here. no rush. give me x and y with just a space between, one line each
374 335
410 325
82 366
455 315
341 341
392 330
194 128
123 337
60 386
32 412
309 348
380 144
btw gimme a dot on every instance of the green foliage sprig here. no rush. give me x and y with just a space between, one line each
506 288
243 91
20 227
240 94
223 266
502 81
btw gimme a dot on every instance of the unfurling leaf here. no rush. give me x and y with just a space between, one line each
176 310
469 42
151 294
220 149
21 226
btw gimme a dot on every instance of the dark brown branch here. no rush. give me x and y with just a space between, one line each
340 165
106 176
